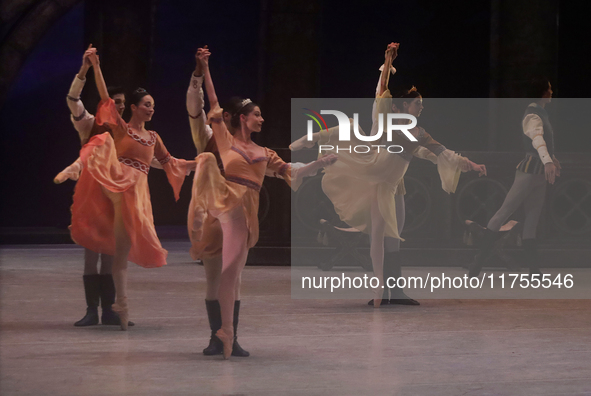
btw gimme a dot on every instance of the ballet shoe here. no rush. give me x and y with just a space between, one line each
121 308
384 301
377 302
60 178
227 339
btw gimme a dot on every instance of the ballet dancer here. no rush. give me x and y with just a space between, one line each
112 212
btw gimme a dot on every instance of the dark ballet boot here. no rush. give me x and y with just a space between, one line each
393 269
530 249
486 247
214 314
109 317
91 290
236 348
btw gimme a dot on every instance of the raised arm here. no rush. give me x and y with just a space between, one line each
223 138
98 74
203 55
391 54
82 120
200 132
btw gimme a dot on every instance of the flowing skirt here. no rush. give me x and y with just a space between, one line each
92 211
213 195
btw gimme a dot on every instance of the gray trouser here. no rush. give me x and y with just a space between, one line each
527 189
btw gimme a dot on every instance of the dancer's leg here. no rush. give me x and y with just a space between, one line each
213 273
234 254
122 248
90 262
106 264
392 258
519 190
377 249
533 205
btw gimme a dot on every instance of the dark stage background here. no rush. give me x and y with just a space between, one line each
269 51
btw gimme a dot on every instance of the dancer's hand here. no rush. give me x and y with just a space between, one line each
557 164
392 51
94 59
481 169
85 61
550 170
198 66
328 160
202 56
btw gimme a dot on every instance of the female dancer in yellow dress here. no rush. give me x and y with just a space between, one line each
363 186
223 211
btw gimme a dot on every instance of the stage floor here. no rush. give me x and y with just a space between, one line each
311 347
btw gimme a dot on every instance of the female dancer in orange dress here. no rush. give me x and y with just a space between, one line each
223 211
112 212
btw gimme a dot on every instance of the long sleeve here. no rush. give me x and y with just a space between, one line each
82 120
277 167
107 114
534 129
176 169
200 132
449 164
424 153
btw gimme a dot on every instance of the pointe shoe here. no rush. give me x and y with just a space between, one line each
377 302
227 339
60 178
121 308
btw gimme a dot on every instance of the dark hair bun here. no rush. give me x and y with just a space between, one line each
137 96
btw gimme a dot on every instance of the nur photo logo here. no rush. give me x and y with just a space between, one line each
347 124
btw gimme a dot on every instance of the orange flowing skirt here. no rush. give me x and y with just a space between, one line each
92 211
213 195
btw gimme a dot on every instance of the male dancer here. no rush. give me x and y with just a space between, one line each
98 286
538 167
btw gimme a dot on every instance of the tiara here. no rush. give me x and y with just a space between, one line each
245 102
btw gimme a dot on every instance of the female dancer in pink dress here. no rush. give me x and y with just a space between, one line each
112 212
223 214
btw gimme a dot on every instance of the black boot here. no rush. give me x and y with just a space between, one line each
393 269
530 248
109 317
91 290
236 348
486 247
214 314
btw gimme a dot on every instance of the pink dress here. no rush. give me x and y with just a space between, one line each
120 164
